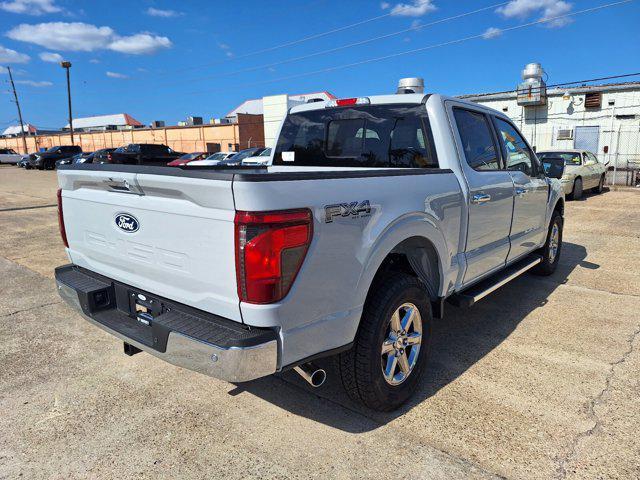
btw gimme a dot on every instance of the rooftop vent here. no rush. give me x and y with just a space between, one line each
533 90
410 85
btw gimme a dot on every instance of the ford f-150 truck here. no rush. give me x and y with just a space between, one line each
375 212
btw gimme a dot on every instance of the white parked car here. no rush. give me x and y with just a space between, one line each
582 170
214 159
8 155
262 159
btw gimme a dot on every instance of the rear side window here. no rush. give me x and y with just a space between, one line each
477 139
393 136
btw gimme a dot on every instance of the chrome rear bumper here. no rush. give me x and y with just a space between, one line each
233 363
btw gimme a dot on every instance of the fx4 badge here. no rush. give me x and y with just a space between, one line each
353 209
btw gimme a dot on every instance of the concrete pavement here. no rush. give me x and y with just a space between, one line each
539 380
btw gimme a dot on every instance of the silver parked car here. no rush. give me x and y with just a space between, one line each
582 170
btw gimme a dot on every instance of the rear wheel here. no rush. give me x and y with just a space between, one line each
576 193
600 186
390 351
551 251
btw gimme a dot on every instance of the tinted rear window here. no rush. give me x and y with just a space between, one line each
390 136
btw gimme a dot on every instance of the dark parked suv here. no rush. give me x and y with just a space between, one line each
144 154
47 160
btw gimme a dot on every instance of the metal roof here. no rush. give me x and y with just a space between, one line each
15 129
104 120
607 87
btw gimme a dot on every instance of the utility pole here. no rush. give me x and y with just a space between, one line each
15 95
67 66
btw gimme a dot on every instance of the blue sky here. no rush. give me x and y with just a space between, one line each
162 60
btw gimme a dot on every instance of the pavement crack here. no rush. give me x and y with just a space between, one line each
30 308
595 401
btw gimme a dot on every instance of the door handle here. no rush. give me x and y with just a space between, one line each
480 198
521 191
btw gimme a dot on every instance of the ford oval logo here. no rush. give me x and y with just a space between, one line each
127 223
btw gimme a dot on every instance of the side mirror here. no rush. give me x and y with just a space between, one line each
553 167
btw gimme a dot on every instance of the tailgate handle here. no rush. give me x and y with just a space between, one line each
123 186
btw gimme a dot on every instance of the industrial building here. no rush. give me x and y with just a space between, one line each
604 119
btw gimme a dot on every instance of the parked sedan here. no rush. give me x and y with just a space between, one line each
582 170
242 155
214 159
101 156
10 156
85 157
188 158
263 158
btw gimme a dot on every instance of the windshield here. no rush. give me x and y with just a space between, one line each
570 158
53 149
266 153
249 152
190 156
217 156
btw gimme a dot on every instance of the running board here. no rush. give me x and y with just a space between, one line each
473 294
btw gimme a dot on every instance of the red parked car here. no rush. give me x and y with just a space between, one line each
188 157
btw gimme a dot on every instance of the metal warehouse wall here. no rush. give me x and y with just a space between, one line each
248 132
616 124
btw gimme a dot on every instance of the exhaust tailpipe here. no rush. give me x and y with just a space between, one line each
313 375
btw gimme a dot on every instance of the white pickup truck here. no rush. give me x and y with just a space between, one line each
375 211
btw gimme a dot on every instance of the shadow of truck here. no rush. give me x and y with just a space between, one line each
459 340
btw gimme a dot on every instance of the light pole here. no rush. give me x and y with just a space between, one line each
67 66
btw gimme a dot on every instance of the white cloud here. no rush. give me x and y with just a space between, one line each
226 49
548 9
94 60
74 36
83 37
491 32
30 7
416 8
33 83
384 5
50 57
116 75
140 44
11 56
157 12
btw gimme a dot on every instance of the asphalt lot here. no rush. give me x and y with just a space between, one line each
539 380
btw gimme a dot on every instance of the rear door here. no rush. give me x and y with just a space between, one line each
528 228
172 236
490 194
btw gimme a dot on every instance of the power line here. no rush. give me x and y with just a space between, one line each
422 49
335 49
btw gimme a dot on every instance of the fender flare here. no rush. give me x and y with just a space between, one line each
413 225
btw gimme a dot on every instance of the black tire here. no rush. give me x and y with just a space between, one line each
550 262
361 367
576 193
600 186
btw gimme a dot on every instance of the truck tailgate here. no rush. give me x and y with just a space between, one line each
170 235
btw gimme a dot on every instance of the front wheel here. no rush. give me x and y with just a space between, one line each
551 251
389 355
576 193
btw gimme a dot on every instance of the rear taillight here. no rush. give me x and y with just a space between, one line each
63 232
270 249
